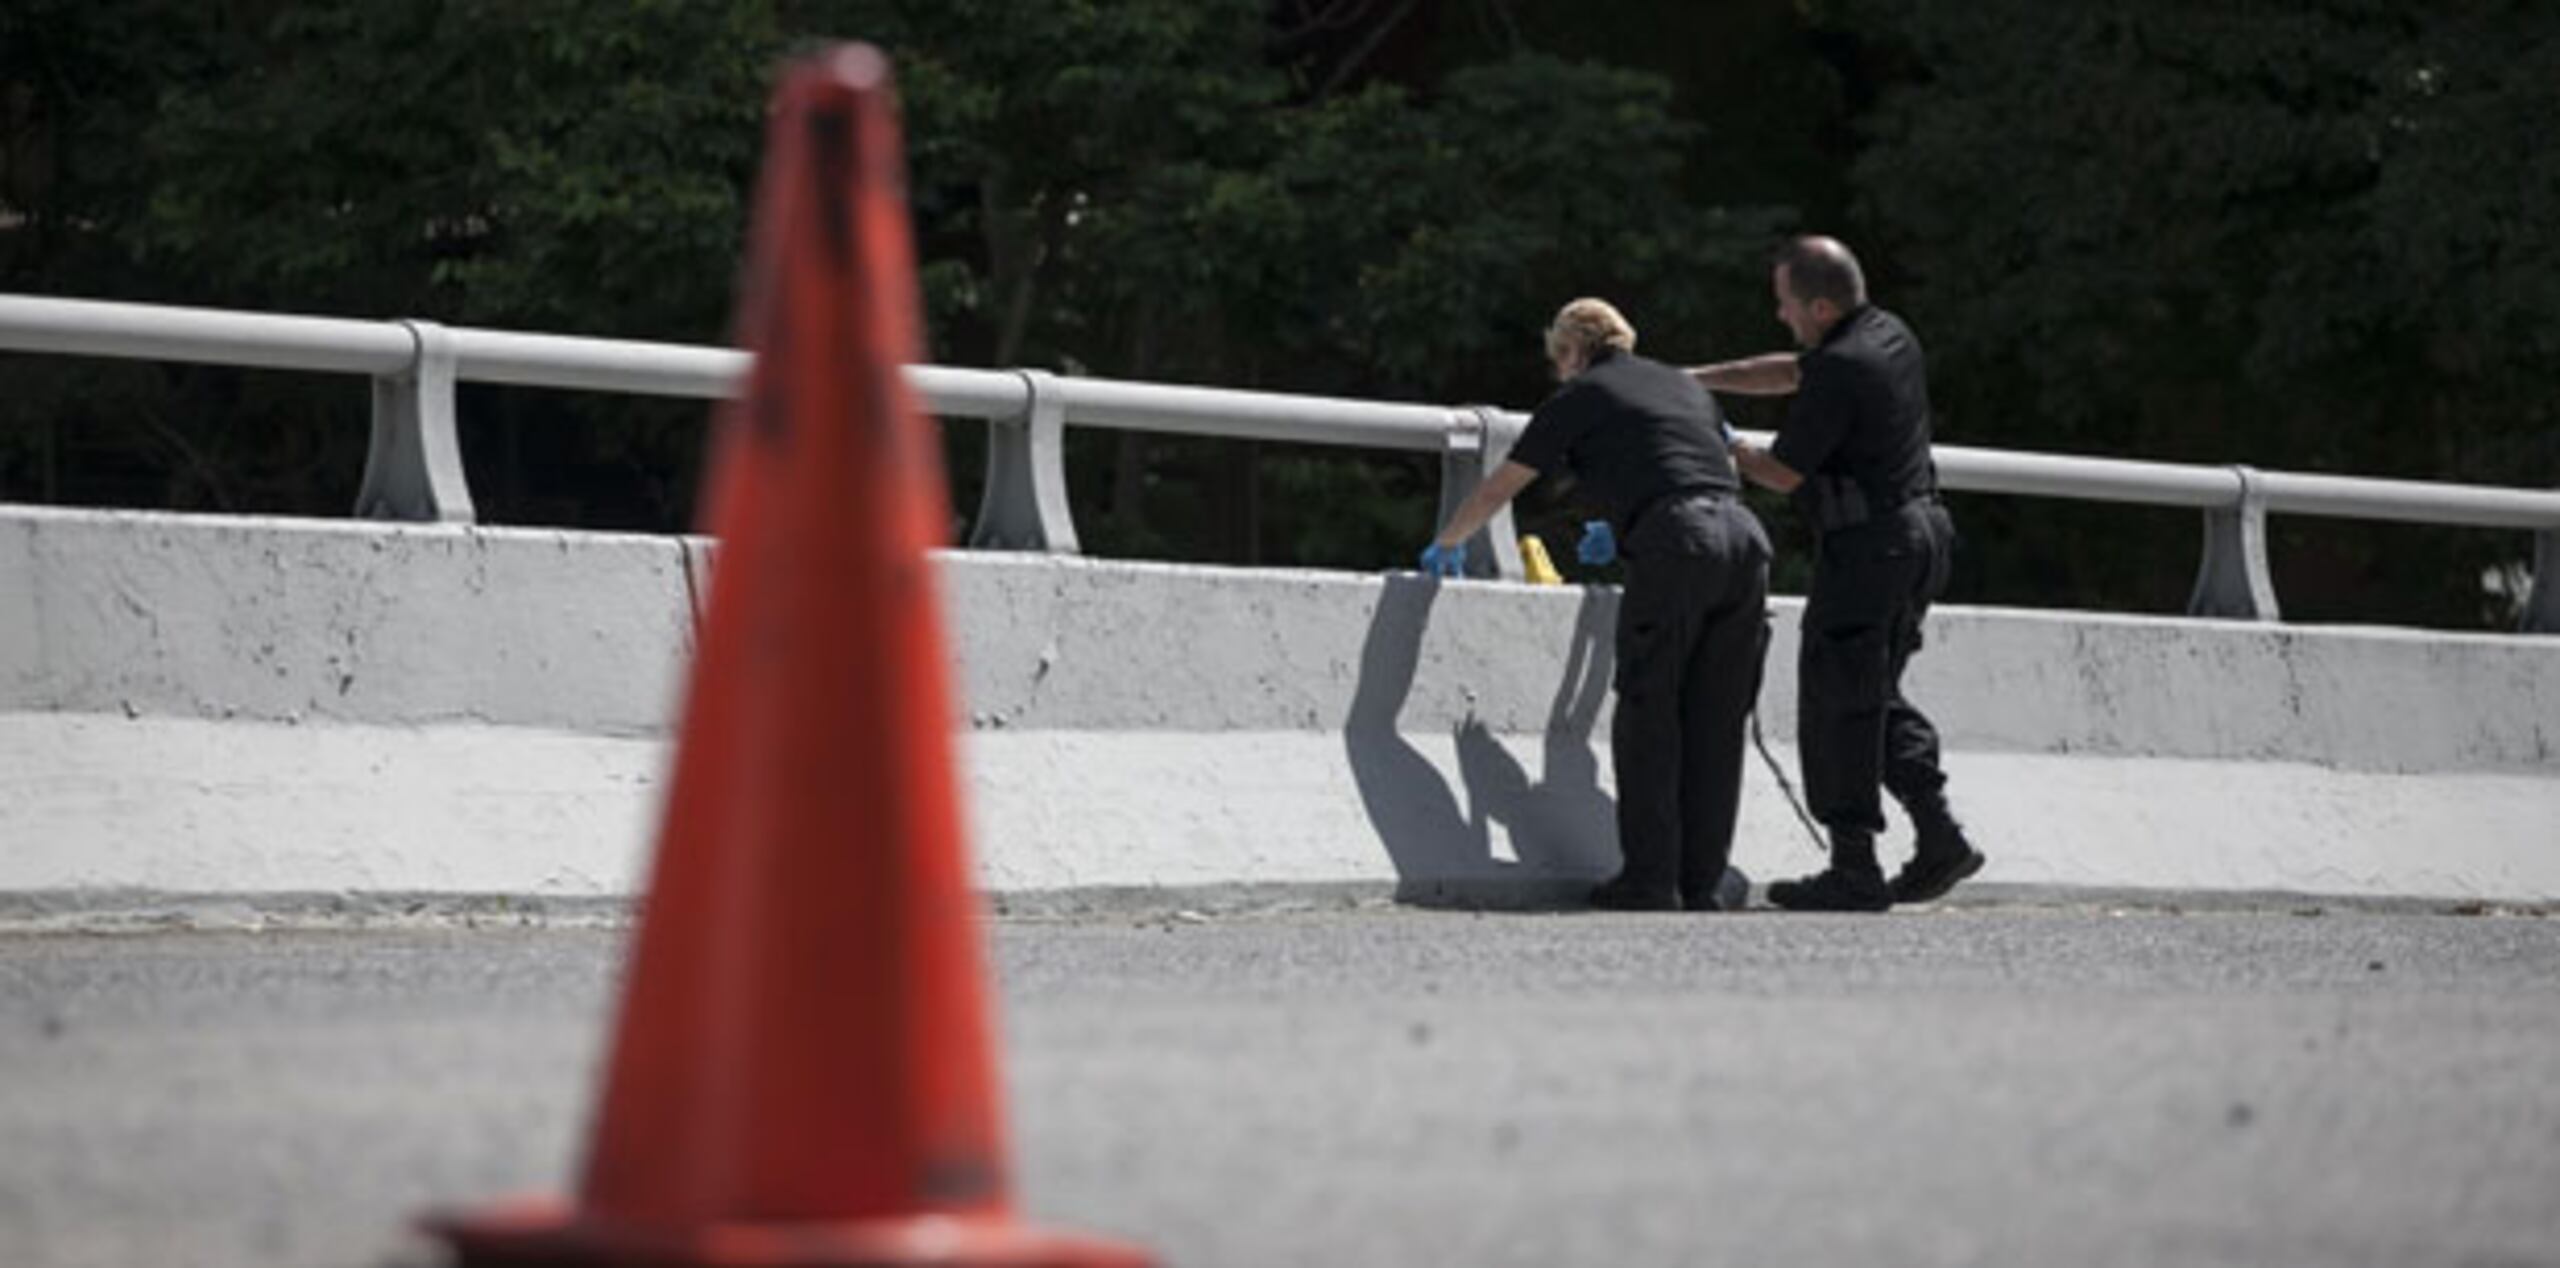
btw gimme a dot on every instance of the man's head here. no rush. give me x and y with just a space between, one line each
1581 329
1817 282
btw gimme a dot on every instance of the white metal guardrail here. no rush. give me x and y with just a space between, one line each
414 469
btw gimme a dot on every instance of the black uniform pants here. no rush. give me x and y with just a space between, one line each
1854 730
1692 625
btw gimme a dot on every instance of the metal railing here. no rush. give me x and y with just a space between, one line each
413 470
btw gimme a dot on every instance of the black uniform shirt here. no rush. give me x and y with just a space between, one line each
1861 411
1632 431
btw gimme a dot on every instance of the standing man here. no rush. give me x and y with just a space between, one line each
1647 444
1853 455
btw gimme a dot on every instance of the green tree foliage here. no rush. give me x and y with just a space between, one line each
1142 188
571 166
1136 189
2315 236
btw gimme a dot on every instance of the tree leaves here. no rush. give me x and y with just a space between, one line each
2315 234
2310 236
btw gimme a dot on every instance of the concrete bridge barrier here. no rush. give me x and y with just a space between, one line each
237 706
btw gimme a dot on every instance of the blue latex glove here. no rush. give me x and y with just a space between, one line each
1444 561
1599 544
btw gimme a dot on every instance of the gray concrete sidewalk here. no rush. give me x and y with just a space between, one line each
1984 1085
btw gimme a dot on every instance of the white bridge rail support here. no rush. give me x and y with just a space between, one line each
414 471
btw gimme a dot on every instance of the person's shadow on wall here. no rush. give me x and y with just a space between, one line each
1561 827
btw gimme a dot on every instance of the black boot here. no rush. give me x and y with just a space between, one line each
1853 882
1941 857
1618 894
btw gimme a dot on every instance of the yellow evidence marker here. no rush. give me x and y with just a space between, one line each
1534 561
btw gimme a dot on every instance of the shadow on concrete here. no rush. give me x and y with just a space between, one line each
1561 829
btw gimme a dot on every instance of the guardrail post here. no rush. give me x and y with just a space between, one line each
1478 441
413 471
2542 603
1024 503
2234 580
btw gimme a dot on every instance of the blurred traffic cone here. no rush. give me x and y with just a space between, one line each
804 1069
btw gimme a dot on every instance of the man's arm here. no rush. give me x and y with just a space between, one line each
1770 374
1496 492
1761 469
1817 422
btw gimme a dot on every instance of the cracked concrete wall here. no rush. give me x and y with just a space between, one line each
233 704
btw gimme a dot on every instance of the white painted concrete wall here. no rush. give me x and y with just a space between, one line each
246 706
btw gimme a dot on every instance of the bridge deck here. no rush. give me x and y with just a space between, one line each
2004 1085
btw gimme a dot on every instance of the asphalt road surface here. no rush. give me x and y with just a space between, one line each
2034 1085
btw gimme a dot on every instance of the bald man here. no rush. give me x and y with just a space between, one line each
1853 456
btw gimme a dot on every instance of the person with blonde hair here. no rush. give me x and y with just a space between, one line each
1587 324
1646 444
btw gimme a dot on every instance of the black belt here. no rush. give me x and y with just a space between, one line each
1834 514
1709 494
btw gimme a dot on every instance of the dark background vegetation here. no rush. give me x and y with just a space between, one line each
2303 234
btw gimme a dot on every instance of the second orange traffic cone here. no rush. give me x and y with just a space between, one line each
804 1071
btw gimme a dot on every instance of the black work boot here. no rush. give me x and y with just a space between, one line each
1940 859
1619 894
1853 882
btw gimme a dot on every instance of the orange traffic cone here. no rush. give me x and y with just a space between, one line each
804 1068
